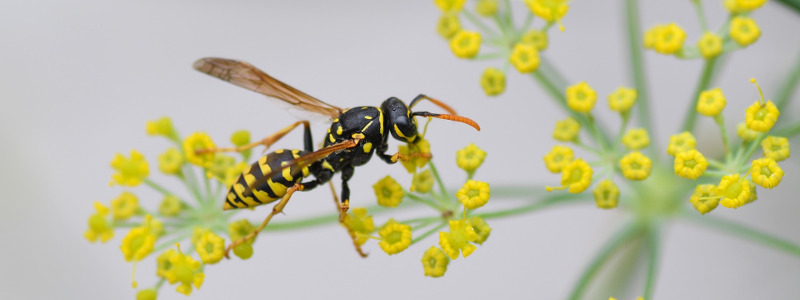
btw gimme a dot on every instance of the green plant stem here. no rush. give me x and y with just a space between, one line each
180 235
637 68
510 191
442 188
751 149
698 5
191 182
622 236
654 247
744 232
428 233
427 202
792 4
720 120
555 199
690 117
789 85
478 23
157 187
789 131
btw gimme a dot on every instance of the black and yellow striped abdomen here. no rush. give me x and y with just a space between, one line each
241 196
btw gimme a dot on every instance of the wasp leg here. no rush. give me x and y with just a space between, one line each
350 230
268 141
404 157
347 173
278 208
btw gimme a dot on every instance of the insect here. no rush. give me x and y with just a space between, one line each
354 135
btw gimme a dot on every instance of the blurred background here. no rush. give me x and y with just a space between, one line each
79 79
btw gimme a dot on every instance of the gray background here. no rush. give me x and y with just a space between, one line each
79 79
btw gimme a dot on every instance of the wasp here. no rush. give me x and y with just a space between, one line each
354 136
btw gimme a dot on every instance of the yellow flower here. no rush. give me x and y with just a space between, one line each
124 206
710 45
237 230
466 44
744 31
753 195
219 167
745 133
170 161
420 153
448 25
776 148
481 228
361 223
577 176
690 164
622 99
704 199
198 141
486 8
170 206
761 116
163 265
422 182
139 242
737 6
240 138
185 271
524 58
550 10
161 127
210 247
388 192
711 102
450 5
567 130
473 194
581 97
458 239
470 157
606 194
681 142
435 262
535 37
130 172
146 294
395 237
766 172
636 139
99 225
734 191
493 81
558 158
636 166
650 36
668 39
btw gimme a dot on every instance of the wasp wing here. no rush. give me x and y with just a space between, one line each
245 75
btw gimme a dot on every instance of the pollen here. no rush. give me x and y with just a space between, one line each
525 58
575 177
711 102
470 158
434 262
388 192
567 130
710 45
581 97
766 172
690 164
473 194
606 194
493 81
636 166
776 148
622 99
130 171
681 142
636 139
704 199
466 44
395 237
558 158
744 31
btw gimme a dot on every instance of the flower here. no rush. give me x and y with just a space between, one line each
185 271
744 31
737 6
481 228
710 45
711 102
170 206
124 206
448 25
99 227
690 164
766 172
395 237
577 176
161 127
146 294
524 58
622 99
636 139
238 230
581 97
470 158
458 239
776 148
733 190
388 192
567 130
761 117
493 82
558 158
163 264
473 194
636 166
419 154
130 172
746 134
466 44
170 161
240 138
550 10
606 194
535 37
486 8
210 247
422 182
198 141
450 5
666 39
218 168
704 199
361 223
435 262
681 142
139 242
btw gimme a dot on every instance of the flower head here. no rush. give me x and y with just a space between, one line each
761 116
737 6
210 247
577 176
766 172
163 265
550 10
622 99
636 166
448 25
99 225
395 237
665 39
458 239
493 81
635 139
139 242
358 220
170 206
711 102
218 168
581 97
567 130
704 199
746 134
710 45
422 182
690 164
734 191
161 127
388 192
744 31
681 142
435 262
535 37
130 172
419 153
198 141
170 161
185 271
486 8
606 194
450 5
470 157
237 230
240 138
473 194
558 158
146 294
124 206
465 44
524 57
481 228
776 148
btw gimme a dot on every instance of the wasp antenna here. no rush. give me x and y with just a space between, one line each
456 118
438 103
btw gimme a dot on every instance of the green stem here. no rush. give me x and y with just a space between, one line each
428 233
700 14
654 247
180 235
789 131
705 79
751 149
511 191
556 199
157 187
425 201
478 23
720 120
744 232
442 188
489 56
637 68
789 85
191 182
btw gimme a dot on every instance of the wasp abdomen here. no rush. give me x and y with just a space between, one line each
241 195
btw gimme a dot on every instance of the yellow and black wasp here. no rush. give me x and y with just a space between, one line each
354 135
